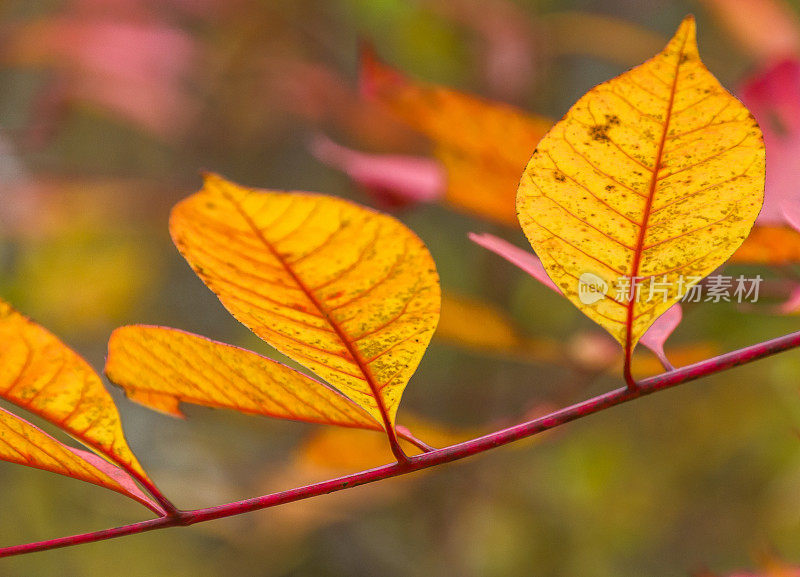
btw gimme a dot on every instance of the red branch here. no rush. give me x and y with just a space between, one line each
435 457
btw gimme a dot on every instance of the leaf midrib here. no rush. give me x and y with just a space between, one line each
639 249
323 310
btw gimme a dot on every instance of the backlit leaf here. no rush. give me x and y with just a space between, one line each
349 293
42 375
161 368
656 175
654 338
23 443
483 145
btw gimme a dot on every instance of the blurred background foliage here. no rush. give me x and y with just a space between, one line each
109 108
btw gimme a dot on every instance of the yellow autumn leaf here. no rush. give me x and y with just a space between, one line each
42 375
483 145
656 175
161 367
351 294
26 444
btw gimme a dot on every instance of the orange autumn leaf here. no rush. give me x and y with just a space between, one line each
161 367
483 145
771 245
351 294
343 450
681 355
656 175
42 375
478 325
23 443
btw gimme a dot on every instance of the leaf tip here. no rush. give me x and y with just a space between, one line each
374 74
163 403
210 178
687 31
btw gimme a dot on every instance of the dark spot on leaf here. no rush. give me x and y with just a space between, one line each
599 132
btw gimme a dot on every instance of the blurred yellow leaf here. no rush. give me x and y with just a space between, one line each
343 450
42 375
161 367
25 444
92 231
483 145
656 176
351 294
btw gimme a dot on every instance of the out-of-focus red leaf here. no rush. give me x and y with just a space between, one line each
205 9
392 180
791 304
131 68
773 96
519 257
791 212
658 333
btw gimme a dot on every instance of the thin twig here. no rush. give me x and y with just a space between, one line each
436 457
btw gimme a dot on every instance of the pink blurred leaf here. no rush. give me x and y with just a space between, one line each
791 304
658 333
773 96
520 257
131 68
653 339
791 212
393 180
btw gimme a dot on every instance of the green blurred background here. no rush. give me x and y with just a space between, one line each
109 110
